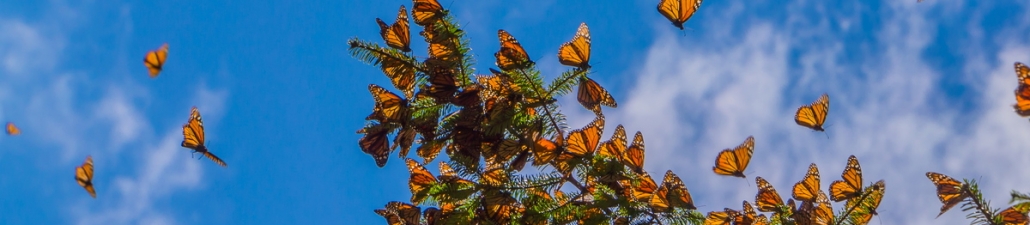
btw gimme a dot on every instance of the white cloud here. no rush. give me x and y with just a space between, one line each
695 97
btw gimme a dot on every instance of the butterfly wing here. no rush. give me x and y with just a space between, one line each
767 199
419 181
193 131
389 107
949 191
426 12
512 55
1022 106
645 189
376 143
583 141
851 185
12 130
808 189
397 35
84 176
591 95
576 52
678 195
155 60
616 146
1012 216
634 156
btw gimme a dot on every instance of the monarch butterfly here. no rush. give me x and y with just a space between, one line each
591 95
426 11
544 151
12 130
498 85
634 155
419 181
375 143
193 137
389 107
678 11
448 175
494 175
409 213
678 195
813 115
1012 216
645 188
747 216
767 199
397 35
734 162
761 220
808 188
512 55
822 213
871 202
155 60
616 146
500 206
1022 105
442 43
392 218
84 176
725 217
583 141
851 186
949 190
442 85
404 139
468 97
576 52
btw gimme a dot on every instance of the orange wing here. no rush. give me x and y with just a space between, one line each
748 216
616 146
851 186
576 52
1022 105
678 11
427 11
1012 216
376 143
678 195
84 176
725 217
645 189
734 162
634 156
155 60
512 55
949 190
767 199
868 203
12 130
420 181
583 141
808 189
814 115
389 107
397 35
411 214
592 96
392 218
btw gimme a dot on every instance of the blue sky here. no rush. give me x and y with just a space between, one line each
913 87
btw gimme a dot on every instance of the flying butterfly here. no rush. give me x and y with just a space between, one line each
576 52
592 96
84 176
851 185
419 181
155 60
734 162
678 11
814 115
512 55
949 190
397 35
767 199
634 155
12 130
1022 92
808 188
193 137
584 141
426 12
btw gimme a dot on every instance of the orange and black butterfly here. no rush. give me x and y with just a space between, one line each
584 141
512 55
442 85
392 218
155 60
427 11
634 156
443 44
592 96
397 35
193 137
870 202
401 213
813 115
949 190
672 193
576 52
12 130
376 143
1013 216
747 217
1022 105
616 146
84 176
643 191
725 217
420 181
851 185
389 107
808 188
767 199
733 162
500 206
822 212
678 11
